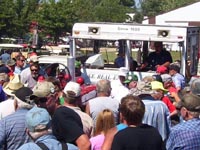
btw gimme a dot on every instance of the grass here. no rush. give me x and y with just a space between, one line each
111 55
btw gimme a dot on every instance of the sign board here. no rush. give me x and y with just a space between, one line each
98 74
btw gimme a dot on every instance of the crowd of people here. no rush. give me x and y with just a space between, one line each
157 113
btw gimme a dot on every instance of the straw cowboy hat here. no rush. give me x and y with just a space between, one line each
11 62
13 85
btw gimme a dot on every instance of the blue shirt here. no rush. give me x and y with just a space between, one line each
5 57
121 126
50 141
120 62
179 80
157 115
18 70
13 130
185 136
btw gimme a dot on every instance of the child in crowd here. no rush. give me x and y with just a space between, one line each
105 121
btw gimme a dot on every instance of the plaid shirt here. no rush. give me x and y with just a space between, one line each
185 136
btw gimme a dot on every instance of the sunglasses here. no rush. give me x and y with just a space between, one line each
34 70
22 60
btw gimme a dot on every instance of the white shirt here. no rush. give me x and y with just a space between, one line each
118 90
6 108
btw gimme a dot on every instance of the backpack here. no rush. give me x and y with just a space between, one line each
44 147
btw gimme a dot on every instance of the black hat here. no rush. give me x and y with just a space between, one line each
24 94
157 77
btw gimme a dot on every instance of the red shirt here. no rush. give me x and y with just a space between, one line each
169 104
172 89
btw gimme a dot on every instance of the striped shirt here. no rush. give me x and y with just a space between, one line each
13 130
157 115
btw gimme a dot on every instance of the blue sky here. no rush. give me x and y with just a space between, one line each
137 2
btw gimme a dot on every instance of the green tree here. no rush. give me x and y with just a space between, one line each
25 11
15 16
7 17
54 18
128 3
154 7
138 17
111 11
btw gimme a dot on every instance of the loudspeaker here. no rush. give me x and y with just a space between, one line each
93 30
163 33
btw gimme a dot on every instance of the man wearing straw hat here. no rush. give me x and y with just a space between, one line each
7 106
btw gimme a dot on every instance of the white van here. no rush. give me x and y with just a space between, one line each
97 34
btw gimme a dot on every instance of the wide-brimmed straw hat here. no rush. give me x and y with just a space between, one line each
11 62
13 85
143 88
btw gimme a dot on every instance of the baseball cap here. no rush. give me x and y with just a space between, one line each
123 71
195 86
24 95
131 77
37 119
43 89
161 69
156 85
191 102
72 89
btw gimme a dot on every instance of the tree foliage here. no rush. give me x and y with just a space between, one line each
110 11
128 3
15 16
154 7
7 17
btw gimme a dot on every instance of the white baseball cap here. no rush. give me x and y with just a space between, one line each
72 87
123 71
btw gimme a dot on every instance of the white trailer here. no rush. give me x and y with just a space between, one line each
186 37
